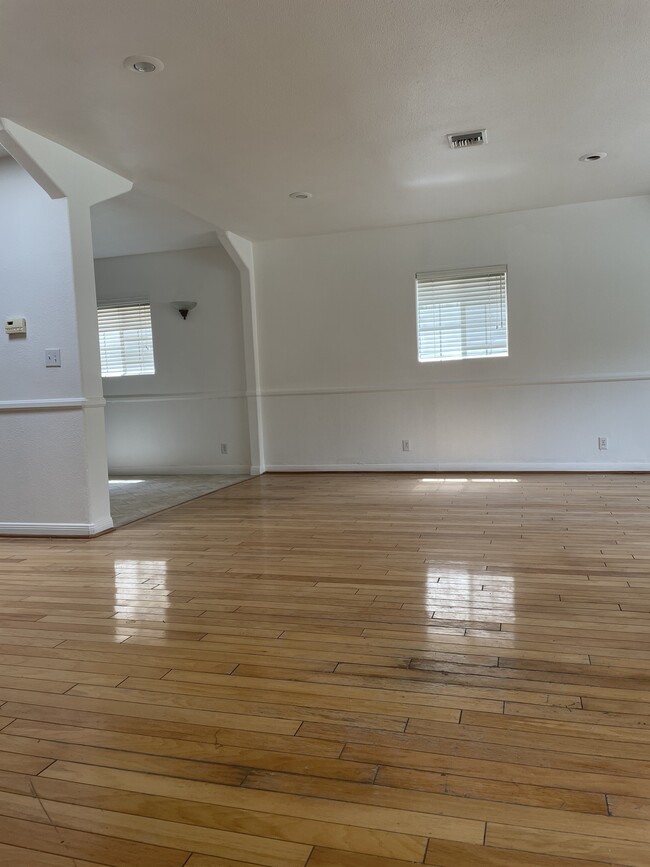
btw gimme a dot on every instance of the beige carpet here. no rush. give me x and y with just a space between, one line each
134 497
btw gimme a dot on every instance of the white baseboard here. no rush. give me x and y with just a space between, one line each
182 470
518 467
25 528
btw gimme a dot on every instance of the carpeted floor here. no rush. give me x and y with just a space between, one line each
134 497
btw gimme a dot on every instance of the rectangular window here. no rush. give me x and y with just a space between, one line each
462 314
125 339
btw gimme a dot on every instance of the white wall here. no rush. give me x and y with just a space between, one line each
40 289
176 419
51 429
136 223
30 221
340 378
53 469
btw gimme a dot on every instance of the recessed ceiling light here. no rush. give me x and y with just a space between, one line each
300 195
143 63
592 158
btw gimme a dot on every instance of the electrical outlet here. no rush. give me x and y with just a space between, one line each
603 444
224 448
53 358
406 445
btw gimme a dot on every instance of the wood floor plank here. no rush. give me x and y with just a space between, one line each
114 851
212 861
500 770
283 716
245 756
227 774
250 822
494 790
335 670
21 784
447 805
14 856
571 727
184 709
633 807
328 810
566 754
440 853
115 722
321 857
567 845
206 840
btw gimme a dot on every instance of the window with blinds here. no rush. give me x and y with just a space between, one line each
462 314
125 339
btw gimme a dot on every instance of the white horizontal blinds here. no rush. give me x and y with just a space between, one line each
125 339
462 315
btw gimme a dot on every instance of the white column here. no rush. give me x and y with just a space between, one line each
53 472
241 252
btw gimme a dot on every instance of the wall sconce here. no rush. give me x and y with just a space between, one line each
183 307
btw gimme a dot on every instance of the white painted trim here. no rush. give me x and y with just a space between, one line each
53 403
59 171
383 389
182 470
474 383
519 467
102 526
24 528
201 246
241 252
22 156
164 396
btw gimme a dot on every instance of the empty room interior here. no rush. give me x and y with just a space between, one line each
324 433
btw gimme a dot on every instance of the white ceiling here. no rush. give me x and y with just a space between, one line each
137 223
349 99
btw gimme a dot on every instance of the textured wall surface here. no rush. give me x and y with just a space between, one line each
53 472
176 419
340 378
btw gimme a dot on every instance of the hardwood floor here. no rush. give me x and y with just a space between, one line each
354 670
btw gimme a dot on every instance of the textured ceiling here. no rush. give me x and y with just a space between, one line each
137 223
349 99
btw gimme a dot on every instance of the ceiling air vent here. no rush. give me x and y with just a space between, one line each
467 139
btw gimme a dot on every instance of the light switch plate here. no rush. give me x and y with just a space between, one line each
53 358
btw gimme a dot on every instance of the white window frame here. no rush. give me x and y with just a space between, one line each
145 365
464 273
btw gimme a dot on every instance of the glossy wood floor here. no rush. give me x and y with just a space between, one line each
356 670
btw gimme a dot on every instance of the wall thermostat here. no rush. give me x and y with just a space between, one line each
16 326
